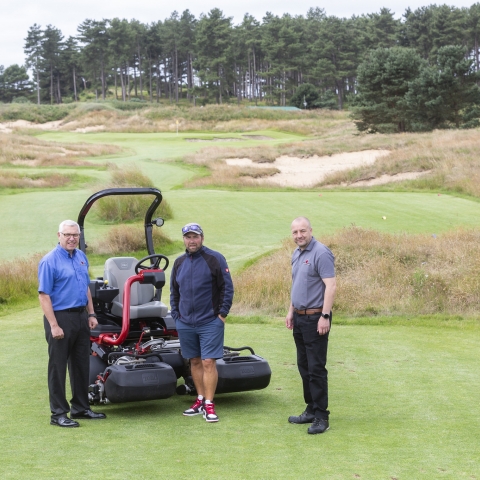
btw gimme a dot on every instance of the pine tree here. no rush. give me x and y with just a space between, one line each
94 36
445 94
213 47
33 51
383 81
52 45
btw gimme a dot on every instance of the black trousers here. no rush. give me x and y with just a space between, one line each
72 350
311 362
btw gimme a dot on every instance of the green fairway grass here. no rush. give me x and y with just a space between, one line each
241 224
403 400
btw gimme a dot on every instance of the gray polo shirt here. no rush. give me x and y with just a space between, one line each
309 266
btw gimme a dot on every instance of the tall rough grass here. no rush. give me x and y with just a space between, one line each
30 151
18 280
450 156
378 274
129 208
125 239
144 117
23 180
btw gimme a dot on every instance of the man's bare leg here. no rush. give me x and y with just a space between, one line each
196 369
210 378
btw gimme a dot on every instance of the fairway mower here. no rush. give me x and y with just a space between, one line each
135 350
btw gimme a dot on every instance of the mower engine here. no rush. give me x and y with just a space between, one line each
146 371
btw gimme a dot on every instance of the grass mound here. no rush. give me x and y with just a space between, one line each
129 208
25 150
378 274
125 239
18 180
34 113
227 113
145 117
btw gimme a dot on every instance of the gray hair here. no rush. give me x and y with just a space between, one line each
68 223
303 219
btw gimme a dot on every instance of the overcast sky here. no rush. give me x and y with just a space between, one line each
17 16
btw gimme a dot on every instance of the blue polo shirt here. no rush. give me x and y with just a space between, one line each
64 278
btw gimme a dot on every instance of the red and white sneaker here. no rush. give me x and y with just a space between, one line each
195 409
209 412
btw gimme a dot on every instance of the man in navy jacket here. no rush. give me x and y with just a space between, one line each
201 294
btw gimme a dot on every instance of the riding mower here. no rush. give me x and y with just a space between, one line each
135 350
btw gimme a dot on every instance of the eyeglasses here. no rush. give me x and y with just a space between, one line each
192 227
71 235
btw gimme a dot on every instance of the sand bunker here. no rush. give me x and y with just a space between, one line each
257 137
383 179
93 128
306 172
9 127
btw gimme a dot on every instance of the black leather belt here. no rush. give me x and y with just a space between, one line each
307 311
75 309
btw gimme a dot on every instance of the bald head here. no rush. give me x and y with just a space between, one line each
303 219
301 232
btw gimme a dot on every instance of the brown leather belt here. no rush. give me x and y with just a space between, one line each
308 311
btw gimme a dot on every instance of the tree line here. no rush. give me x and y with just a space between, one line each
209 59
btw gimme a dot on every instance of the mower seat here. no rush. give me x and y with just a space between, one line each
142 303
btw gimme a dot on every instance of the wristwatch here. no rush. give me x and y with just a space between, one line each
92 315
325 315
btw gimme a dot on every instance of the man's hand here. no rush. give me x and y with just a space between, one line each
92 322
57 332
221 318
289 320
323 326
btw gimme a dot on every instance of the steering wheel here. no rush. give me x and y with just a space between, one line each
156 259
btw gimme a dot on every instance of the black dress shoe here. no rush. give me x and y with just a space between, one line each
304 417
88 415
319 425
64 422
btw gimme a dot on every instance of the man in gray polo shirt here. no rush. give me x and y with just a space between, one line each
310 317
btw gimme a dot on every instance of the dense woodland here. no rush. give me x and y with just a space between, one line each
211 60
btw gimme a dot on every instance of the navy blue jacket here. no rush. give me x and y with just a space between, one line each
201 287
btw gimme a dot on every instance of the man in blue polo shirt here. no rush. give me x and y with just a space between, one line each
67 306
310 317
201 294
